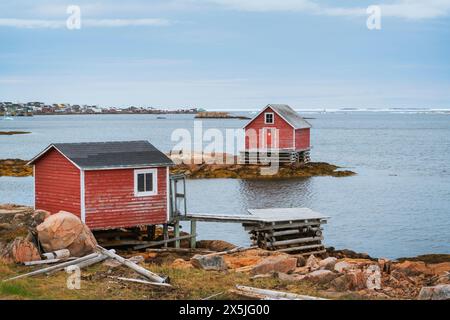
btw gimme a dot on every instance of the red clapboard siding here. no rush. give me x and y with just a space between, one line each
285 133
302 139
110 200
57 184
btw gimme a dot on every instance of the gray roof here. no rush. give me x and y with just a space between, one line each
290 115
116 154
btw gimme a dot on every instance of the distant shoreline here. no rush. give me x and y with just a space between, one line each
10 133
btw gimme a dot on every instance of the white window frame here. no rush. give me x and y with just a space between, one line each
265 118
154 173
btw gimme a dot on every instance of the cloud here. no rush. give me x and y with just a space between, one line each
407 9
31 23
94 23
125 22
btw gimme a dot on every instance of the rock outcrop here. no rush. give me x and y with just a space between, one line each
20 250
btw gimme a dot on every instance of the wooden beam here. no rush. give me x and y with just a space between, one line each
300 248
157 243
295 241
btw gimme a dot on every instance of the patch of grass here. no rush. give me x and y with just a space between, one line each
14 290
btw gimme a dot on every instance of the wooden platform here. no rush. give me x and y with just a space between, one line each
293 230
268 156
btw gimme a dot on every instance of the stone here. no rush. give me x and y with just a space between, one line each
358 279
64 230
341 283
21 250
373 275
215 245
342 266
39 216
302 270
321 276
312 263
181 264
301 261
209 262
439 292
352 280
289 277
283 264
328 263
413 268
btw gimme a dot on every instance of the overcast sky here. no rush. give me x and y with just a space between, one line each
214 54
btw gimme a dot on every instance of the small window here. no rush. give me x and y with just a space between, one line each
268 118
145 182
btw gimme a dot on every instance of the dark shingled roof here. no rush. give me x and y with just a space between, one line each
117 154
290 115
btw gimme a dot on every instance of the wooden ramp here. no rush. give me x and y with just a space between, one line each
293 230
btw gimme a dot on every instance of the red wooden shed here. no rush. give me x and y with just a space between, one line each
107 184
277 128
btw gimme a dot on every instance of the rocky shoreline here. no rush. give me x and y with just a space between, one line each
18 168
15 168
239 171
337 274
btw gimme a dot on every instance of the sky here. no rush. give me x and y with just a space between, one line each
227 54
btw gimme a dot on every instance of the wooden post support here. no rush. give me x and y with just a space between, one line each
177 232
165 233
193 233
151 232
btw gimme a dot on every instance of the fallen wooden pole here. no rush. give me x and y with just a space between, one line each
271 294
157 243
143 282
142 271
99 258
38 262
234 250
55 267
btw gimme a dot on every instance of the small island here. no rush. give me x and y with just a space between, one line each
10 133
18 168
218 115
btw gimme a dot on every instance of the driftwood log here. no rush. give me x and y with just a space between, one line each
264 294
140 270
143 282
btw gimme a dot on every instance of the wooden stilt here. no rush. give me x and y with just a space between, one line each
166 233
151 232
193 233
176 229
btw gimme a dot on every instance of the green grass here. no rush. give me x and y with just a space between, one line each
15 290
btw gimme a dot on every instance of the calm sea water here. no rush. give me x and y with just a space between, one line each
397 205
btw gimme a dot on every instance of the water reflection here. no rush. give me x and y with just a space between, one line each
275 193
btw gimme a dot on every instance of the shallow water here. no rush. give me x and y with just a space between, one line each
397 205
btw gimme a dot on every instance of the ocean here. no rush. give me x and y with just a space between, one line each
397 205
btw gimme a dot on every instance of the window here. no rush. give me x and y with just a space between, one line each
145 182
268 118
